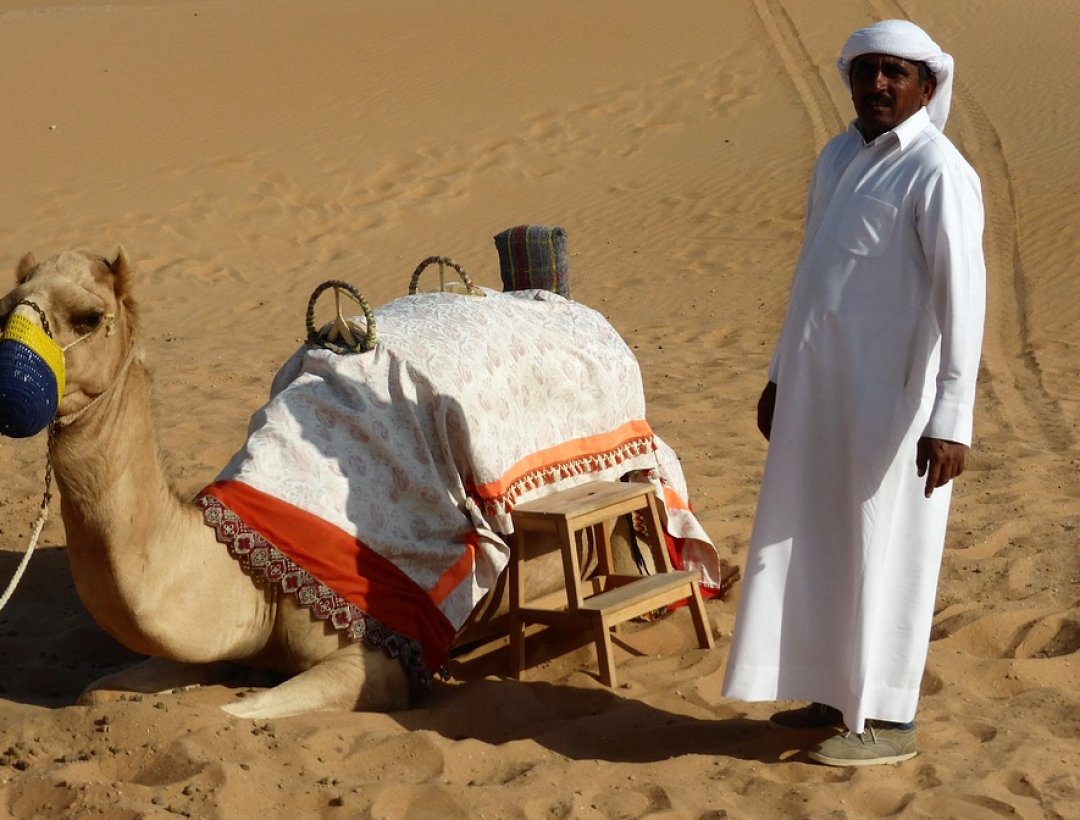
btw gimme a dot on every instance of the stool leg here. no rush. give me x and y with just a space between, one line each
657 540
605 659
571 565
515 623
605 563
701 619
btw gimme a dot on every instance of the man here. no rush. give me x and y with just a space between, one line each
868 412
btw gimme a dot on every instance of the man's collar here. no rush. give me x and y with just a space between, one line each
909 129
905 132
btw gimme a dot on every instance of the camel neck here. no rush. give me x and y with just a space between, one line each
109 455
120 516
143 562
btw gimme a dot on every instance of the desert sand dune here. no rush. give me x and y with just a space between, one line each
244 152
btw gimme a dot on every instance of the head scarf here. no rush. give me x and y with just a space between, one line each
900 38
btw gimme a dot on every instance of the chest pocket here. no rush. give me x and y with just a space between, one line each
867 226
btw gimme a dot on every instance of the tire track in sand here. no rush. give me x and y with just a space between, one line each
1024 419
1013 377
1011 372
1023 383
1028 432
805 74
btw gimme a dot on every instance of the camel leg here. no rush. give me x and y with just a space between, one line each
353 677
151 676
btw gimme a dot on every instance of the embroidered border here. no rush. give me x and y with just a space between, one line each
267 565
504 503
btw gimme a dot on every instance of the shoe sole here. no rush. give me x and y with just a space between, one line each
870 761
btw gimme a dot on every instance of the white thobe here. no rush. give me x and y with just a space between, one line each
880 346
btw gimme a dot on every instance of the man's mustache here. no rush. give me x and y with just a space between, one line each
877 99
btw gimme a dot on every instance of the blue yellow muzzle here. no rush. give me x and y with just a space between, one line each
31 378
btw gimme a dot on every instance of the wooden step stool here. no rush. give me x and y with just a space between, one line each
612 598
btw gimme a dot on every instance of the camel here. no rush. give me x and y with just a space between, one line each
144 563
147 568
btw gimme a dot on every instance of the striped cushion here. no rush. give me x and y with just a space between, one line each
534 256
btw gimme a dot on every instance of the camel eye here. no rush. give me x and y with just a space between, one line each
85 322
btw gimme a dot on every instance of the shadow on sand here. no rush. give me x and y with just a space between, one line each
50 650
50 647
591 724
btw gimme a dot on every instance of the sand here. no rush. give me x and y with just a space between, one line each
244 152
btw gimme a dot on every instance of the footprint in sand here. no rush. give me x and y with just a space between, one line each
1050 637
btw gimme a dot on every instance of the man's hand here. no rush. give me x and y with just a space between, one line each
940 461
765 407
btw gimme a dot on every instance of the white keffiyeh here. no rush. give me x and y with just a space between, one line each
901 38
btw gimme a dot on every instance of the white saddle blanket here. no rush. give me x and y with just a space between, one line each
420 449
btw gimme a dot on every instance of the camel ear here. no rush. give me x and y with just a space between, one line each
26 264
124 271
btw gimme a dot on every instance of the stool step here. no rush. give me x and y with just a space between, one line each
558 521
630 597
584 498
582 506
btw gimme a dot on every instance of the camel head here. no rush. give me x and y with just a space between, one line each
68 327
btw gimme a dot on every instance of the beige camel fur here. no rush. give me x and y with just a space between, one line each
144 564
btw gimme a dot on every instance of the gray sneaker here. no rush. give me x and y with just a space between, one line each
814 716
876 745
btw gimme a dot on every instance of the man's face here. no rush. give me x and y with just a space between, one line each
886 90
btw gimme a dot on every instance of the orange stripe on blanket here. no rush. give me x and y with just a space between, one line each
566 453
461 569
674 501
348 567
